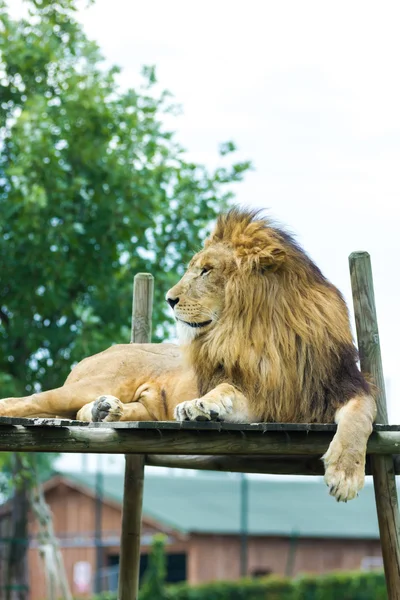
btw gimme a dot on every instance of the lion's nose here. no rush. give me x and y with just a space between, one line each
172 302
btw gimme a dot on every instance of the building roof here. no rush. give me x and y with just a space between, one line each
210 503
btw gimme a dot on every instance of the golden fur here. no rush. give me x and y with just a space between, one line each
265 337
280 331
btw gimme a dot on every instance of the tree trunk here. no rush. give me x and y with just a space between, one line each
56 579
16 576
28 496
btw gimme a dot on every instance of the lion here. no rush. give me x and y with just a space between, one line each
264 336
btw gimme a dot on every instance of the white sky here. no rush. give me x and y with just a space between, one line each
310 91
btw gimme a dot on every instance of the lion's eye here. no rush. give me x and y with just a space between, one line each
204 271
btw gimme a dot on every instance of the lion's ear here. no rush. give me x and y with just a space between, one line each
271 258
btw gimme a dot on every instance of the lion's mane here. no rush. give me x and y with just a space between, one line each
283 337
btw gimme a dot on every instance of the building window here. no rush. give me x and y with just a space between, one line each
263 572
176 567
176 570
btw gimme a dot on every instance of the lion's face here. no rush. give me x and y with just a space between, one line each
197 300
238 251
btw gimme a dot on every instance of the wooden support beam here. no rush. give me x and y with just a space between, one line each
128 583
271 465
129 561
164 440
382 466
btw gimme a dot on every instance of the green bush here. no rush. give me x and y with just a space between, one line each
346 586
334 586
244 589
153 583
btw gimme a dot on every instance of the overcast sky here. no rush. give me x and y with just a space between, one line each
310 92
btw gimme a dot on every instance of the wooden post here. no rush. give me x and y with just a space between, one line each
129 563
244 524
382 467
98 519
128 584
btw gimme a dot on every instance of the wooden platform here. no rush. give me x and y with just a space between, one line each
186 425
189 438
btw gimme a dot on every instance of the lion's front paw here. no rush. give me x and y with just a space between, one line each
203 409
344 472
107 409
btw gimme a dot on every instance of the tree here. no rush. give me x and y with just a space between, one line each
14 558
53 565
93 188
21 477
153 584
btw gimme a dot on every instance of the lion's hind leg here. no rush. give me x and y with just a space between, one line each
345 459
62 402
109 409
50 404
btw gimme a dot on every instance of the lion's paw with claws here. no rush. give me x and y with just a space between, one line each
204 409
344 472
105 409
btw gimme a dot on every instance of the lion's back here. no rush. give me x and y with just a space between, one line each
127 360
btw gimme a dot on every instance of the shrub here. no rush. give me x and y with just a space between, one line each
346 586
153 583
244 589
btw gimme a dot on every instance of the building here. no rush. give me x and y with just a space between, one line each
293 527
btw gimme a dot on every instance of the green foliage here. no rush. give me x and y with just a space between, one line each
93 189
346 586
153 584
335 586
245 589
23 470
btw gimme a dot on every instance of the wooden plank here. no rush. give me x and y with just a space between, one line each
186 425
107 440
128 582
189 425
382 466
